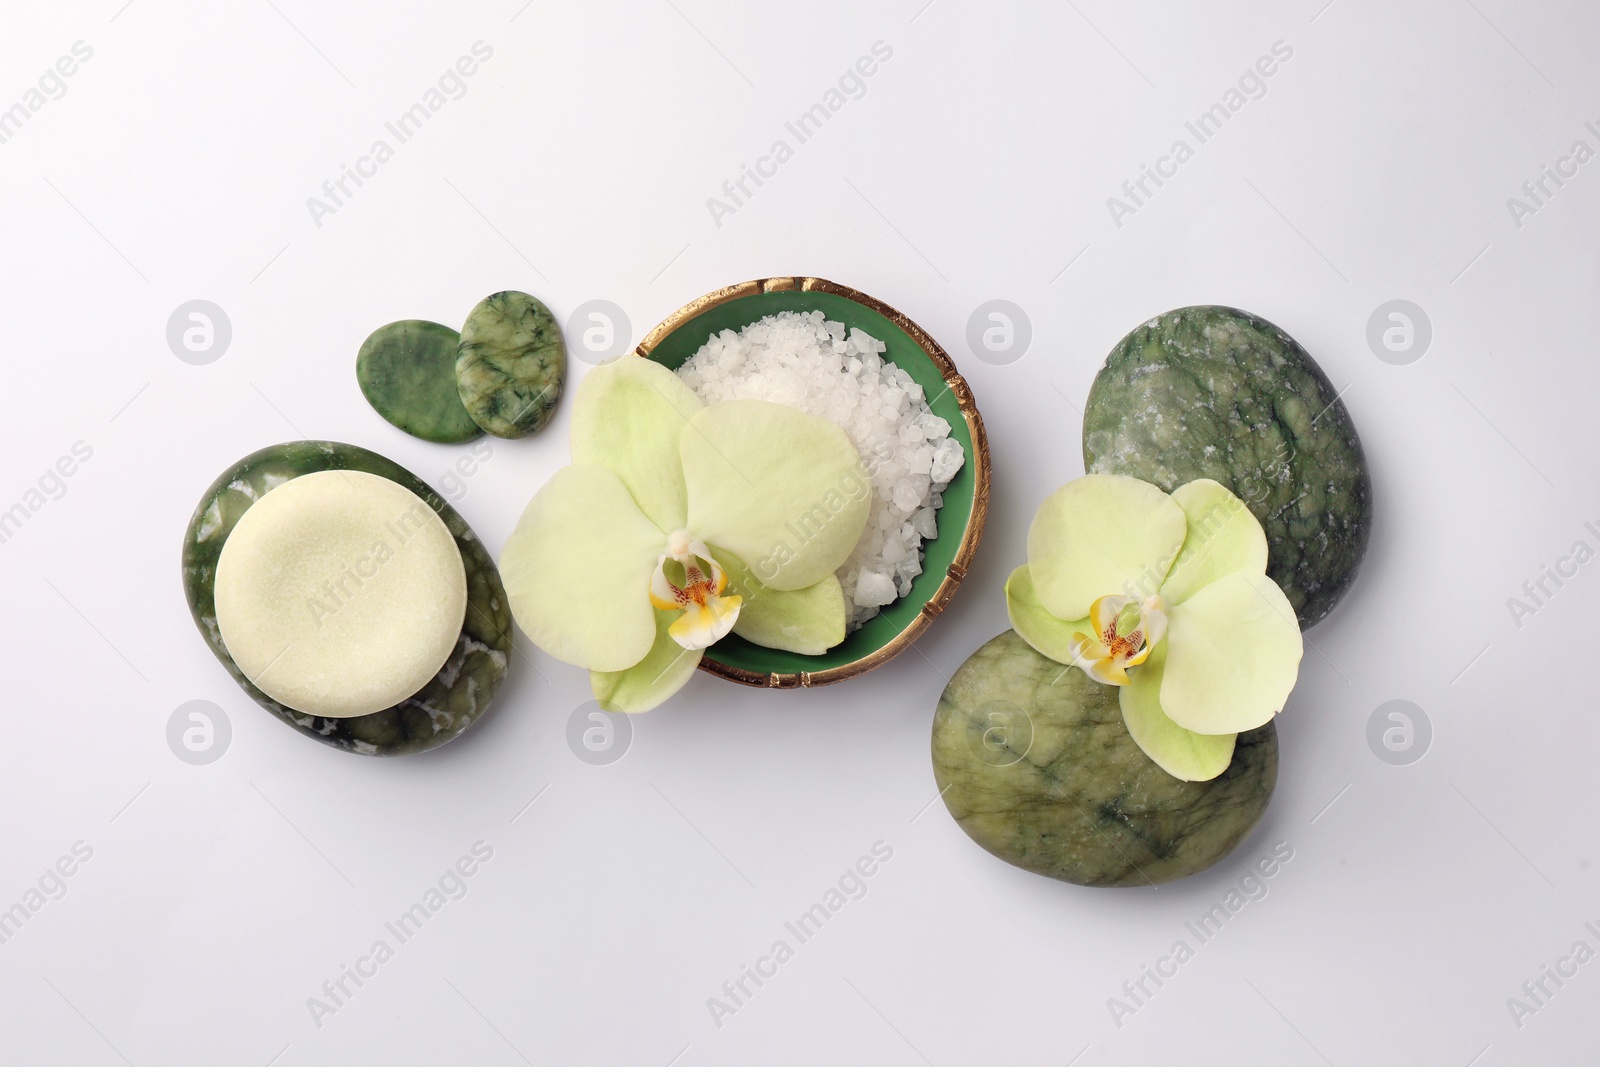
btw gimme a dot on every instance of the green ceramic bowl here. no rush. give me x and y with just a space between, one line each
966 501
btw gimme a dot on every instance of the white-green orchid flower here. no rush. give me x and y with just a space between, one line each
1168 598
678 522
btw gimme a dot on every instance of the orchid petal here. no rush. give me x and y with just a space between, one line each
577 570
1098 535
1233 654
1182 753
1223 538
1048 635
780 489
807 621
664 670
627 416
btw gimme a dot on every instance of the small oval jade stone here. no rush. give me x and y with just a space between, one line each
511 364
1214 392
407 372
1033 761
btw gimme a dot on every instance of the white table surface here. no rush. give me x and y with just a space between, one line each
976 164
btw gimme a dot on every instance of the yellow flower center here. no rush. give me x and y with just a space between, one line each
1126 631
688 579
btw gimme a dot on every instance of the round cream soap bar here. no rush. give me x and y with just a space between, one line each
340 593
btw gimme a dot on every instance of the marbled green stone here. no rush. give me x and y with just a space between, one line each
511 364
1035 764
1212 392
456 697
407 372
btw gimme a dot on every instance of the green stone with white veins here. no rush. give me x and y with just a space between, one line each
1033 760
511 364
1213 392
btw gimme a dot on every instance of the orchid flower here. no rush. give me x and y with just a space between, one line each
678 523
1166 597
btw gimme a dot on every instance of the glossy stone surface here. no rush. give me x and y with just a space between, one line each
1034 763
462 690
407 372
1212 392
511 364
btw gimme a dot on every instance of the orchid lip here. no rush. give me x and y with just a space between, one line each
1126 631
708 612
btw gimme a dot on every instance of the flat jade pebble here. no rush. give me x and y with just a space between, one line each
1213 392
453 699
511 364
1035 764
407 372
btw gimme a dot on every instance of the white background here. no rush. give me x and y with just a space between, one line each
976 166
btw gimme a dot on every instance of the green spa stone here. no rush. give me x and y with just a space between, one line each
456 697
511 364
1213 392
407 372
1034 763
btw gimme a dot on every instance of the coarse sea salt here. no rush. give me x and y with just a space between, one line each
803 361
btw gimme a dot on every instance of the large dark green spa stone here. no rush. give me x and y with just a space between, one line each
1213 392
407 372
1035 764
511 364
456 697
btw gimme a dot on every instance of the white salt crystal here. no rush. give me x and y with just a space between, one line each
947 460
874 590
932 426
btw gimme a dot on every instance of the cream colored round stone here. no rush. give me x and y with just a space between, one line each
340 593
